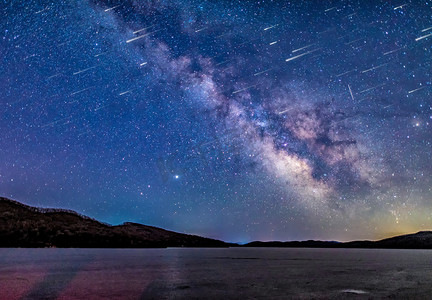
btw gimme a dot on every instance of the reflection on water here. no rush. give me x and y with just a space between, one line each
214 273
359 292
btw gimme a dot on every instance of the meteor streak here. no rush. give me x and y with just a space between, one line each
423 37
111 8
329 9
420 88
300 55
42 10
52 76
80 91
141 36
244 89
100 107
54 122
85 70
372 88
392 51
400 6
374 68
352 96
263 71
273 26
123 93
299 49
352 42
101 54
344 73
85 132
135 32
284 111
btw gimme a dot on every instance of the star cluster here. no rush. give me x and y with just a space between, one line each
238 120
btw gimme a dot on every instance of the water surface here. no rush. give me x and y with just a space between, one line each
232 273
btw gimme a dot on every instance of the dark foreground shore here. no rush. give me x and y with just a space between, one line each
231 273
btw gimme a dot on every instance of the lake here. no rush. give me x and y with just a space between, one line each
231 273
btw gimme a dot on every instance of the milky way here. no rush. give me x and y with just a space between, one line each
234 120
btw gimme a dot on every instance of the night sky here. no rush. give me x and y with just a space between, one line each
236 120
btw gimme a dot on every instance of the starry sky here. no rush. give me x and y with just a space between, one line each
236 120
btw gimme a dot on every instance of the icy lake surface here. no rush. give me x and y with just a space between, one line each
234 273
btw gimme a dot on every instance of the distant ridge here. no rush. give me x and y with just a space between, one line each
419 240
26 226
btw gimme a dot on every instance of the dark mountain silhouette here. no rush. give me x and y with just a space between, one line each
419 240
26 226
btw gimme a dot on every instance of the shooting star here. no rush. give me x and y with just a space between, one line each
201 29
143 64
136 38
374 68
65 123
208 143
426 29
126 92
80 91
82 71
392 51
272 43
300 55
244 89
141 36
352 96
223 62
54 122
329 9
42 10
139 30
263 72
359 47
284 111
352 42
299 49
363 99
327 30
372 88
224 34
400 6
420 88
111 8
344 73
82 133
100 107
101 54
55 75
423 37
273 26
